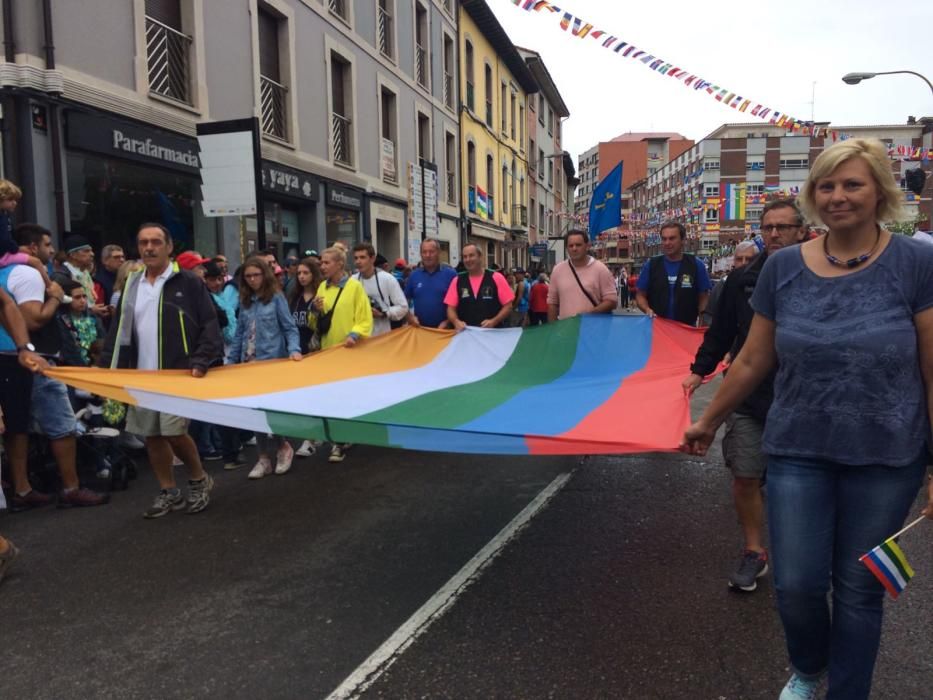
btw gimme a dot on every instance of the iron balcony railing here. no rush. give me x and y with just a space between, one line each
451 188
343 146
421 66
519 216
273 104
167 52
385 33
449 90
339 8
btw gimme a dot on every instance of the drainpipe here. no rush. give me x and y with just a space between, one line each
9 42
58 178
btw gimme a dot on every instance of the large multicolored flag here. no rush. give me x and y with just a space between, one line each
889 565
586 385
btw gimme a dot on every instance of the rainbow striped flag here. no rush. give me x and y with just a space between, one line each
585 385
889 565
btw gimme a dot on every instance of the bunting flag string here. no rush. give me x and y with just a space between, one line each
580 29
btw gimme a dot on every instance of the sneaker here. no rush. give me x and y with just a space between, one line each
199 493
177 462
165 503
799 688
283 458
263 468
752 566
7 558
82 498
129 441
336 453
306 450
230 465
31 500
211 456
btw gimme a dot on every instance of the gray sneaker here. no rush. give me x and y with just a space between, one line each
165 503
752 566
7 559
199 493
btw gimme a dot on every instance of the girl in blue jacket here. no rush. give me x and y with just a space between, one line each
265 331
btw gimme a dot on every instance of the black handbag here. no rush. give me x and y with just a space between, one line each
323 322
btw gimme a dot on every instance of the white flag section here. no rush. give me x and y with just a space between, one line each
228 174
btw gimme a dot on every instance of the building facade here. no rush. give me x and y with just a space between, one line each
356 99
547 188
496 85
720 186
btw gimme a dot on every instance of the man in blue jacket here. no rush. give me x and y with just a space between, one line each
166 320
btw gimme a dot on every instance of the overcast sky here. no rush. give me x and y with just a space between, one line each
767 52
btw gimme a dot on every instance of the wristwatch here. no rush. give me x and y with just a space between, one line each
28 346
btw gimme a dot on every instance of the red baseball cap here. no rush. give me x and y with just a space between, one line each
401 263
189 261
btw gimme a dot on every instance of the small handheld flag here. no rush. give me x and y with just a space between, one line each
889 565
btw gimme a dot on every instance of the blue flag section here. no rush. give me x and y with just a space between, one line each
606 204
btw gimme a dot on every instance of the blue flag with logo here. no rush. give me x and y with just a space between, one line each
606 204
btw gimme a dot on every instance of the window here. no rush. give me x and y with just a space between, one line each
542 221
754 189
385 29
711 165
448 72
795 164
711 216
488 96
340 8
542 164
389 135
540 109
550 173
424 137
168 51
550 121
468 60
505 189
512 108
711 190
490 176
341 92
502 103
521 126
755 165
273 95
753 214
450 161
532 213
421 42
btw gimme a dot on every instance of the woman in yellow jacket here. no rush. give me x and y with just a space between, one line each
345 316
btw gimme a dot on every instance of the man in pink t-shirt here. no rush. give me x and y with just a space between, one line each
477 297
581 285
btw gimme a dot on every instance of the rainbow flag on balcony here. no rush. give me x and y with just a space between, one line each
482 202
585 385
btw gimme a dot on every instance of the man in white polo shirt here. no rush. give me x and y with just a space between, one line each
580 285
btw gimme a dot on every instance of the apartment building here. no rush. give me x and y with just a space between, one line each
497 86
547 191
720 186
356 100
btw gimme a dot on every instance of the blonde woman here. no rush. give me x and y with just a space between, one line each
848 319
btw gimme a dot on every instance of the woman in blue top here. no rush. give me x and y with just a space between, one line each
265 331
848 318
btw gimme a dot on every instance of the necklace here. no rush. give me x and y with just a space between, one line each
851 262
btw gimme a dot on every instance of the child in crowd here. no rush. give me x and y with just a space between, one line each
265 331
79 328
10 195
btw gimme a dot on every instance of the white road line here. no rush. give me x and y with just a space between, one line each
387 654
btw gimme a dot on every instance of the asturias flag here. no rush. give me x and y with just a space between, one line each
606 204
889 565
585 385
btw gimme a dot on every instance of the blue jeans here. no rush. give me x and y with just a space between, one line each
822 516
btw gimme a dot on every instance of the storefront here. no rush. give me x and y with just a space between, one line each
343 216
290 201
490 240
121 174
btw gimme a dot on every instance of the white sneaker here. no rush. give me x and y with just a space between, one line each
799 688
336 454
283 458
131 442
306 450
263 468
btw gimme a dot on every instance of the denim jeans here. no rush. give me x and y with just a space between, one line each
822 516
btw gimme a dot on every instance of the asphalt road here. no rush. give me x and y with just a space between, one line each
283 587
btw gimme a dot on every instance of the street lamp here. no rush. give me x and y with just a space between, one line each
856 78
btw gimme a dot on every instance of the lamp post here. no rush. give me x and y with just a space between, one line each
856 78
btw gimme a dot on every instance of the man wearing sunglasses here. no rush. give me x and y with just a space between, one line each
782 225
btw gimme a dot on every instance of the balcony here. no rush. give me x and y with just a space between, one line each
471 199
384 31
449 90
421 66
273 101
519 217
167 58
342 143
339 8
451 188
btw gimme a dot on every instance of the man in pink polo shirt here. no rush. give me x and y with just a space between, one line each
477 296
581 285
